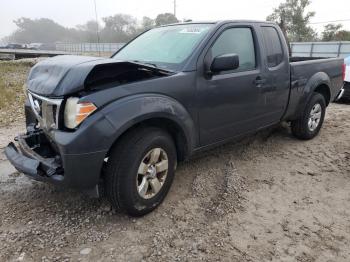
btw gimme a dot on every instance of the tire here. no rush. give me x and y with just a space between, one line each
132 170
301 128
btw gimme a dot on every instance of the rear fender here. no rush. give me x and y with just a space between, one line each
304 93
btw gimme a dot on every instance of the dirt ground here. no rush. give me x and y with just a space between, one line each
268 198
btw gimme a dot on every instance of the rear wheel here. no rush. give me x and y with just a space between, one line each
310 122
140 170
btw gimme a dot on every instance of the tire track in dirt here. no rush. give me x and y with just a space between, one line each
269 197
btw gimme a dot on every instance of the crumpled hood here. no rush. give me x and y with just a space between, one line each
62 75
56 76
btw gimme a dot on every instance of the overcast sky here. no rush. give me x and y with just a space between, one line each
73 12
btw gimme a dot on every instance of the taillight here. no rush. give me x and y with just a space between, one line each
344 69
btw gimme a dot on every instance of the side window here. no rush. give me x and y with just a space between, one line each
236 41
273 46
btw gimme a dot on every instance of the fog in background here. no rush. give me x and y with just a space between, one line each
71 14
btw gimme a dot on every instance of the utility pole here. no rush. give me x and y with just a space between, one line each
97 30
175 8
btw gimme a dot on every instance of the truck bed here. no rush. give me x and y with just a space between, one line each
306 72
303 58
304 68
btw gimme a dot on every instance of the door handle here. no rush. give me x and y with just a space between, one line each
259 81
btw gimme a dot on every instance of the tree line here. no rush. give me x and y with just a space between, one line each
291 15
118 28
294 19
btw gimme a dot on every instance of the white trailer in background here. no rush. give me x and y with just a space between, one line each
345 91
347 70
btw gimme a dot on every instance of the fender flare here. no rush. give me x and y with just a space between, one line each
135 109
315 81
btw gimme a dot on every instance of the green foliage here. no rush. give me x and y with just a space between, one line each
294 20
342 35
37 30
333 32
147 23
165 19
87 32
116 28
119 28
330 31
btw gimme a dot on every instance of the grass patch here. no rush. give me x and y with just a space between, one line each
13 75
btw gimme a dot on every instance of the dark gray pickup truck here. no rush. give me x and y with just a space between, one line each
121 124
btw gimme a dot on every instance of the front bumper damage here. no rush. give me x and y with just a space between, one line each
61 157
35 157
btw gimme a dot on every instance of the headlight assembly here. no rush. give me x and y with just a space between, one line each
75 112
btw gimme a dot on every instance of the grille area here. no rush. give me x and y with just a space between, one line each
46 110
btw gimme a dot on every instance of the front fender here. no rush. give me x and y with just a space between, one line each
126 112
89 144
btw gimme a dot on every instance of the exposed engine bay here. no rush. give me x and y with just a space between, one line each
115 74
64 75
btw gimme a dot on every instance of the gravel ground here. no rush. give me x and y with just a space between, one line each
268 198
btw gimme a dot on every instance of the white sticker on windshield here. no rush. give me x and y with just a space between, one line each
193 30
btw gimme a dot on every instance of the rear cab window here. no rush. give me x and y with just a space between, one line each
273 46
240 41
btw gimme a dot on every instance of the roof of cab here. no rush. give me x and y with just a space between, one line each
222 22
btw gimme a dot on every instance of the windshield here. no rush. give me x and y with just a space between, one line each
165 47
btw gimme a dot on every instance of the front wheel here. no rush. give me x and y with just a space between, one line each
140 170
310 122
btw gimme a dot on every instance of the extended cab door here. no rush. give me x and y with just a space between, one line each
275 72
230 103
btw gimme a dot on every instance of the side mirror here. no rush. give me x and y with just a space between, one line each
224 62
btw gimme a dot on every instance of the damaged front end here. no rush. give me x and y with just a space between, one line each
64 75
55 147
35 157
119 73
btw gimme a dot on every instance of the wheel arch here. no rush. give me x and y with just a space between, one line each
172 127
157 111
324 90
320 83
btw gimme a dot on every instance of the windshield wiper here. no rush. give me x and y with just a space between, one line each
146 63
153 65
